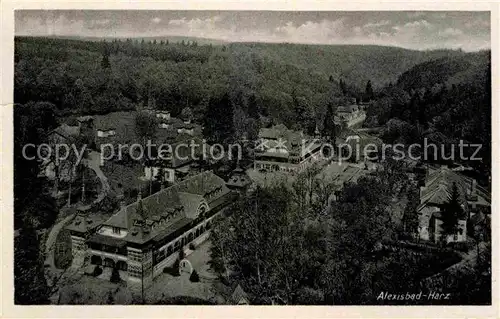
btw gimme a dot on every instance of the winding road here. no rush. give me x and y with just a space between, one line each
93 162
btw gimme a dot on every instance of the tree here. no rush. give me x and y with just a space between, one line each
194 276
71 164
31 122
262 248
219 251
30 287
343 87
83 97
452 211
218 121
110 299
369 91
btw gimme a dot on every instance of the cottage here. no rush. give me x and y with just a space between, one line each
361 145
143 238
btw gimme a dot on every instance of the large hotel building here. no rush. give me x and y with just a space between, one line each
143 238
286 150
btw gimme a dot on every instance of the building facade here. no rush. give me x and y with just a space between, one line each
143 238
352 115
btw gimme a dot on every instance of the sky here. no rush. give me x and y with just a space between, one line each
419 30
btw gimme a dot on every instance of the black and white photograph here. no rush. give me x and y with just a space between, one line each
249 158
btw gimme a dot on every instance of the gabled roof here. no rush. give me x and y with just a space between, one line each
439 184
85 222
173 207
85 118
239 296
290 140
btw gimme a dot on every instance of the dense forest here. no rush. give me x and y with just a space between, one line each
429 97
101 76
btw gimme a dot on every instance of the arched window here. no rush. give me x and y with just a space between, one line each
202 210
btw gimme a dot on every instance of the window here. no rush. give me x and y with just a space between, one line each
116 230
135 271
132 255
455 237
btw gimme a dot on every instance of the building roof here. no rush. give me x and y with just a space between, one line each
238 179
66 130
439 186
239 296
173 207
107 240
84 222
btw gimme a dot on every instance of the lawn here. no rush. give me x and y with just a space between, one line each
126 175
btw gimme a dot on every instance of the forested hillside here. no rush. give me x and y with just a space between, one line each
444 100
281 80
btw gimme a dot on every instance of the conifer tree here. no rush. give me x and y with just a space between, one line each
452 212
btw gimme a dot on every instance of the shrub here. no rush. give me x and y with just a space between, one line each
181 254
110 300
194 277
97 271
173 271
115 276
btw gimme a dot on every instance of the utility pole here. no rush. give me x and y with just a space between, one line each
142 279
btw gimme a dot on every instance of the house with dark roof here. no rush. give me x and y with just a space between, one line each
436 193
144 237
282 149
239 296
239 180
177 158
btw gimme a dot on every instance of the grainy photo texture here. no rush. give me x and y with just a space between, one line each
252 158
